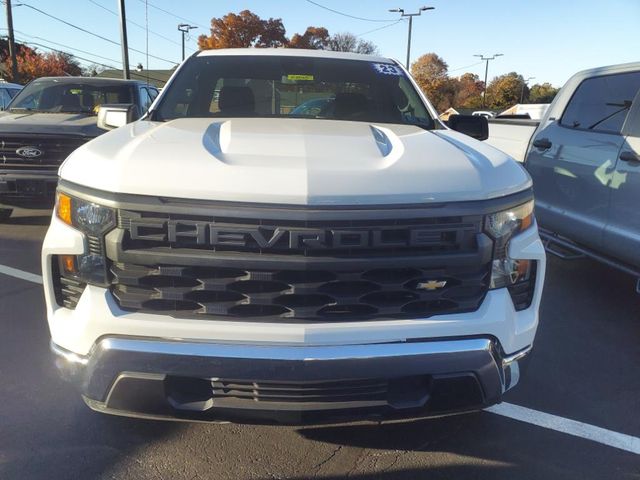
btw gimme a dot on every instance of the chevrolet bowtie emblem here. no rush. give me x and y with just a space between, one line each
431 285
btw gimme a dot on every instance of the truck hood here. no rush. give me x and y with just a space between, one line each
294 161
49 123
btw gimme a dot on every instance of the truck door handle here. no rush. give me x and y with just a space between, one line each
542 143
630 157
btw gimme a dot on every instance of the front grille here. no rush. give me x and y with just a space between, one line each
216 233
54 149
185 393
339 391
316 294
400 265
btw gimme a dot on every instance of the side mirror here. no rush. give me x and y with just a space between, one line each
474 126
116 115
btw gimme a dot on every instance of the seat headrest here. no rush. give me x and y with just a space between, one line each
347 104
236 100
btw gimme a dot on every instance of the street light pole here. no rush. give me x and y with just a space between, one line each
486 74
184 28
410 15
12 43
123 41
523 85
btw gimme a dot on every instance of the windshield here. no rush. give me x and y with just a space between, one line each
299 87
54 96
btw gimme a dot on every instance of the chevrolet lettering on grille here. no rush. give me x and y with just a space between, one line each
214 234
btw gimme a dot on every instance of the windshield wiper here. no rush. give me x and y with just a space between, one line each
20 109
422 124
626 105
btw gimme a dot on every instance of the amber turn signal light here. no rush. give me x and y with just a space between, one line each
68 264
63 208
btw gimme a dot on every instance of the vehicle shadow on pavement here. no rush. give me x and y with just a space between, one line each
29 220
478 445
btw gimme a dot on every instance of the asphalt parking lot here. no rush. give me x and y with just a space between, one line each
585 368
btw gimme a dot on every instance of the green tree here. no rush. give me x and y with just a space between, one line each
542 93
504 91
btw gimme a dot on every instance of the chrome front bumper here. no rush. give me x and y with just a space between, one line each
290 384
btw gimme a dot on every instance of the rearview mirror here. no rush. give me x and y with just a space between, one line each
474 126
116 115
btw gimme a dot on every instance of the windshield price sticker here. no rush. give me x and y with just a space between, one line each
308 78
387 69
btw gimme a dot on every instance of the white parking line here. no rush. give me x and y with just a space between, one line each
621 441
570 427
14 272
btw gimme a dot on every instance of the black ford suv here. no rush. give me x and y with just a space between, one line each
45 122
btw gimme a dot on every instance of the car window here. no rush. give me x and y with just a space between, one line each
275 86
153 93
54 96
602 103
5 98
145 99
12 91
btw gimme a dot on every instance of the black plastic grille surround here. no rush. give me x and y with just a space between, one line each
398 265
67 290
522 292
54 149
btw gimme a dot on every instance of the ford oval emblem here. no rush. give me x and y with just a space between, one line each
29 152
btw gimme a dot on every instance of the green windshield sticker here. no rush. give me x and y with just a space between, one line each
298 77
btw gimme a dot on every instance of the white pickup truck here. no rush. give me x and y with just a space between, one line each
229 257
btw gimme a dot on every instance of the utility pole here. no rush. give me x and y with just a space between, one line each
410 15
123 41
526 81
12 43
184 28
486 74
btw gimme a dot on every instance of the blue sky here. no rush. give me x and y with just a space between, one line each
545 39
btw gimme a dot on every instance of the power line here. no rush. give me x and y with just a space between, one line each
65 46
135 24
111 67
174 15
90 32
380 28
462 68
346 14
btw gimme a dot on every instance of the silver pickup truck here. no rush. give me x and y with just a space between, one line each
584 158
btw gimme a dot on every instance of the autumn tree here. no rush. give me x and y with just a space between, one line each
315 38
32 64
505 91
430 72
242 30
468 91
542 93
348 42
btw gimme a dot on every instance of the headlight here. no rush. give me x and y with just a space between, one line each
502 226
93 220
88 217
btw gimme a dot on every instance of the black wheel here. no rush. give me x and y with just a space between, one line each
5 213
